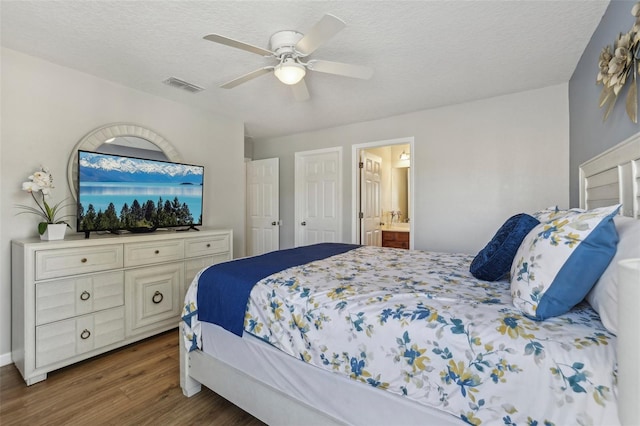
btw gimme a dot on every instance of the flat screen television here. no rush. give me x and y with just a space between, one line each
117 192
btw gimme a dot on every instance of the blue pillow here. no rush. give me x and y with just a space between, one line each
494 261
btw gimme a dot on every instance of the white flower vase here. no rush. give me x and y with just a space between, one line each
54 231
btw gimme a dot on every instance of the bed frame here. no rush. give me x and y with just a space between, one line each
613 177
257 398
609 178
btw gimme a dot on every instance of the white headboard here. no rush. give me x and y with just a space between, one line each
613 177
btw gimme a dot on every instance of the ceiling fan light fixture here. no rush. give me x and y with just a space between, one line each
404 156
290 71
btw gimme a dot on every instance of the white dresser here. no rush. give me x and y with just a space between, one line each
77 298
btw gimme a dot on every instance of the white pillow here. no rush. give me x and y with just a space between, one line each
603 298
559 261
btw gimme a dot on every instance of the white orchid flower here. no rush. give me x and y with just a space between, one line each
42 178
30 187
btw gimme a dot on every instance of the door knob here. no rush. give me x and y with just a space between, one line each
303 223
273 223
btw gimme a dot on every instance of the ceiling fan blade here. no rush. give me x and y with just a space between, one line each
339 68
243 79
300 91
216 38
326 28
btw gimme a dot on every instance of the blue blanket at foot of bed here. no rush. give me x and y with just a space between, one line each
223 289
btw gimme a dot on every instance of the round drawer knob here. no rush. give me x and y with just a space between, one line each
157 251
208 245
157 297
83 260
85 334
85 295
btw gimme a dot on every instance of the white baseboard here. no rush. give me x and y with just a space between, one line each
5 359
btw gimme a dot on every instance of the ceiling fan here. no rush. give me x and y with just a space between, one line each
290 49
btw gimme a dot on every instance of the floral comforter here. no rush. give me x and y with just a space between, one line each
419 325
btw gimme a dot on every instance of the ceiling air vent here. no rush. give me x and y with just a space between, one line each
181 84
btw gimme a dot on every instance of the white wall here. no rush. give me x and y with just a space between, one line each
47 109
476 164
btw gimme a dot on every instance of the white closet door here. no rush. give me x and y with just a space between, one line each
318 183
263 206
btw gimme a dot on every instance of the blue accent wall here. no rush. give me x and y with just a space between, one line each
589 135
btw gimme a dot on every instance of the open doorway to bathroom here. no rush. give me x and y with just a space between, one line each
382 193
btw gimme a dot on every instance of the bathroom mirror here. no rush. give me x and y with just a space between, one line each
400 190
123 139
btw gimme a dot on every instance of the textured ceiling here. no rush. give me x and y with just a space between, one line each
425 54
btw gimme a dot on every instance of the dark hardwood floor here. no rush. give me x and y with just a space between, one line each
135 385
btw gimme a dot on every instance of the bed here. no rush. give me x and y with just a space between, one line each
343 334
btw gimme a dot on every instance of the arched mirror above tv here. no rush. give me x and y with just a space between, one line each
123 139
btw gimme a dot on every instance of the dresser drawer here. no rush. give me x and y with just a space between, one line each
70 297
74 261
137 254
153 296
207 245
66 339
